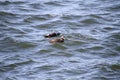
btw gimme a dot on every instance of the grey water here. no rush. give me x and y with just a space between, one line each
91 50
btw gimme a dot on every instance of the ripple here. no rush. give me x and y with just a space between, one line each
13 45
3 13
67 17
38 18
59 46
44 51
116 35
114 7
90 51
61 54
47 67
89 21
109 28
117 49
108 71
81 50
11 2
96 47
54 3
37 5
7 67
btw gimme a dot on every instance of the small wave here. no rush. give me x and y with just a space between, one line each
71 17
38 18
91 30
89 21
116 35
3 13
37 5
109 28
44 51
96 47
47 67
7 2
113 37
8 67
10 44
59 46
54 3
61 54
110 71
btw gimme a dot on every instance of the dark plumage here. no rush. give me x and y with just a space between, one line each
54 34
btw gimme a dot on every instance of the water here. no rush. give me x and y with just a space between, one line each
91 50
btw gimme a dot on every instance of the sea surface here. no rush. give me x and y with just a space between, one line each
91 50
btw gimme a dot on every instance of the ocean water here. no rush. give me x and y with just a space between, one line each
91 50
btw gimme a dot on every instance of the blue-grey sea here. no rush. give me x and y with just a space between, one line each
91 50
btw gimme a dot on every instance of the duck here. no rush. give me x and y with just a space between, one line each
53 34
60 40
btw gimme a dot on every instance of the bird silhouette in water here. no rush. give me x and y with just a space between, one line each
53 34
60 40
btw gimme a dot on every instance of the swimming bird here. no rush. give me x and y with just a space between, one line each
53 34
60 40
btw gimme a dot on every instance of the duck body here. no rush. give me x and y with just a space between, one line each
60 40
54 34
